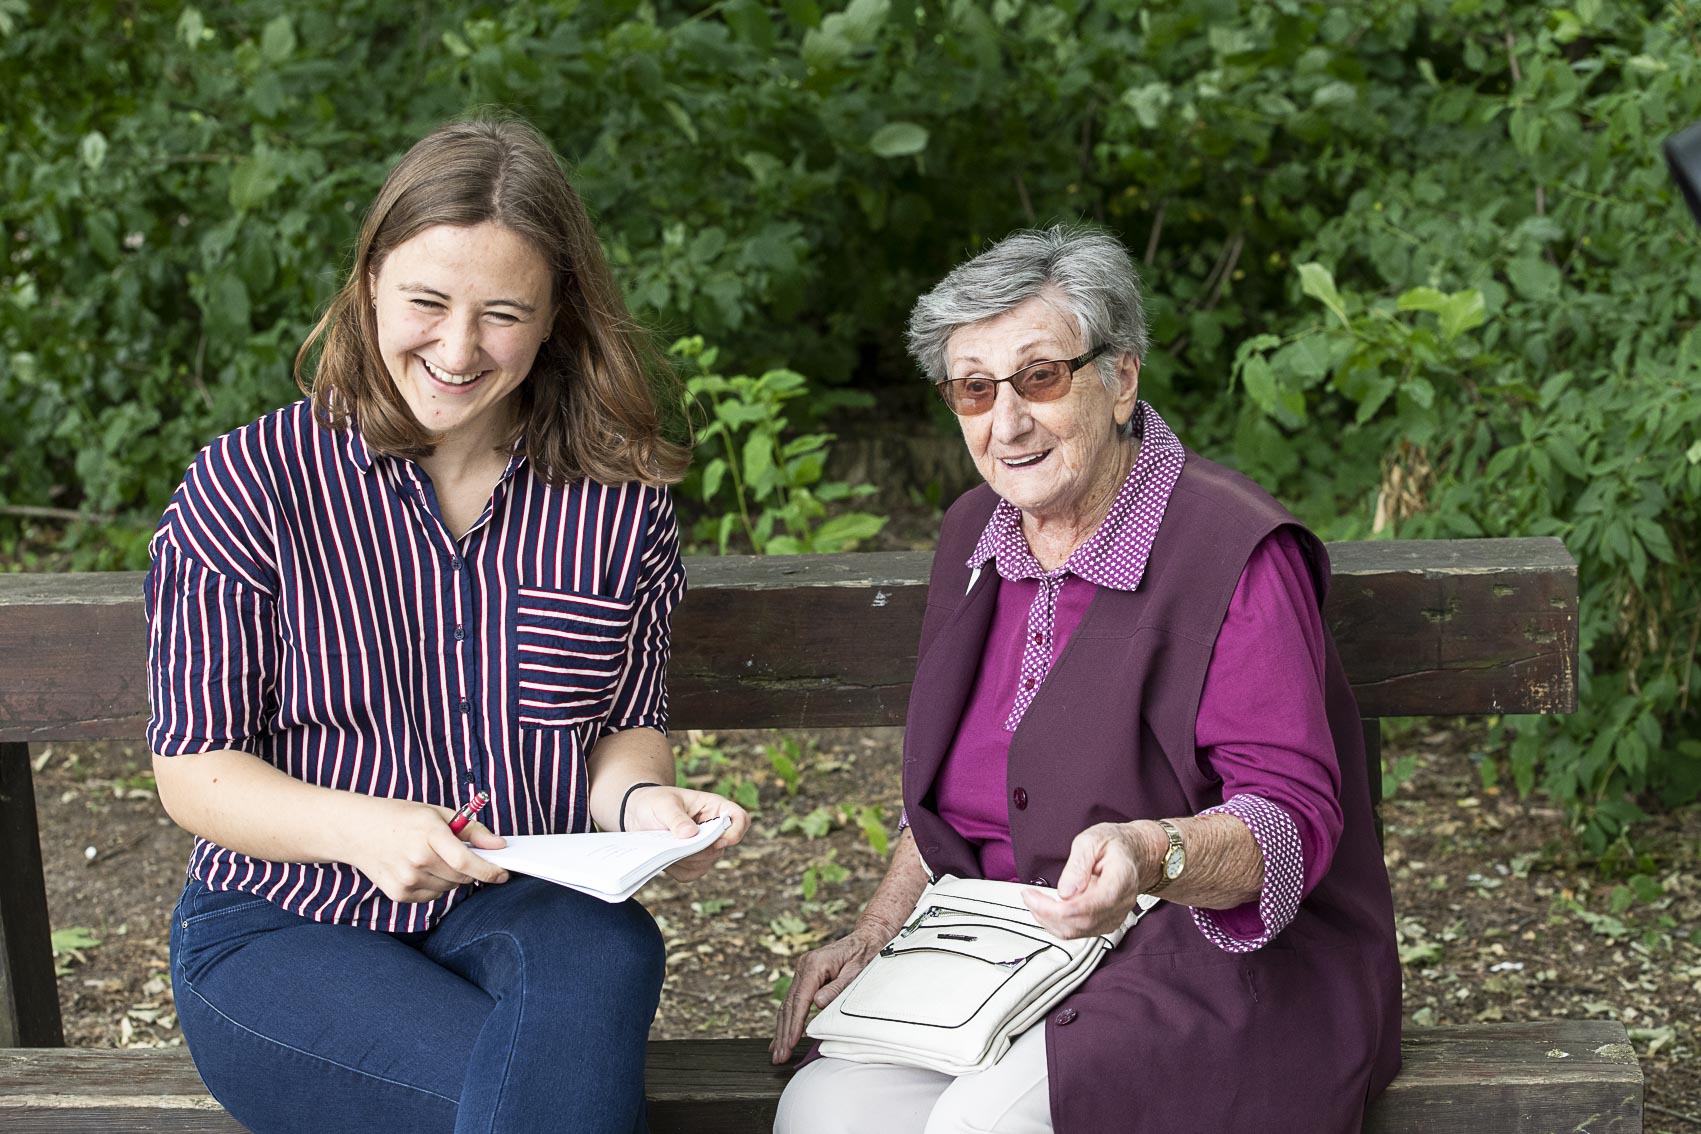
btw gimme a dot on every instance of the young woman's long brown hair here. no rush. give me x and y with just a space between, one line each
589 407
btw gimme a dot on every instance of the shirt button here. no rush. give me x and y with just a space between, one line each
465 706
1039 639
1020 798
454 562
1027 683
460 633
1066 1017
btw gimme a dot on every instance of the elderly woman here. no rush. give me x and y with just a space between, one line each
1125 687
446 574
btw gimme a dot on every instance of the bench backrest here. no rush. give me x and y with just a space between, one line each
1426 628
1432 627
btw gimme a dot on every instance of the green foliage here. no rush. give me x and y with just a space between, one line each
1397 772
1430 241
69 945
750 479
814 825
704 764
785 757
871 817
827 871
1501 342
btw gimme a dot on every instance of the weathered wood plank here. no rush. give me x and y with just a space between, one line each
1424 627
1562 1075
1456 626
29 997
1501 1077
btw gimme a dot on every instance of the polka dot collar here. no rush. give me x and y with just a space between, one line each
1116 554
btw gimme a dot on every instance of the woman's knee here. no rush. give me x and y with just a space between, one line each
991 1111
622 940
813 1103
1013 1096
837 1096
560 934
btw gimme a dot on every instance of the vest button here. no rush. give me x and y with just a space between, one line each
1066 1017
1020 798
1040 881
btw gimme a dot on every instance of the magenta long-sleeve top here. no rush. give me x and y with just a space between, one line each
1261 728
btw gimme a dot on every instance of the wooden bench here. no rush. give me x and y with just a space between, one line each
1424 628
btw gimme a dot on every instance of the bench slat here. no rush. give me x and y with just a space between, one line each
29 995
1499 1077
1543 1076
1423 627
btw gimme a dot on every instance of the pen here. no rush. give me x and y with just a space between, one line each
468 809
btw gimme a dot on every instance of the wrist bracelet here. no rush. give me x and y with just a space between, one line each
627 796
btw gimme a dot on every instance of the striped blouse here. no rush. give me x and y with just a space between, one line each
307 605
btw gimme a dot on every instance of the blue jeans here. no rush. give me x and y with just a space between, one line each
526 1009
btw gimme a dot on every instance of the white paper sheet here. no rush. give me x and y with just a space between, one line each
608 865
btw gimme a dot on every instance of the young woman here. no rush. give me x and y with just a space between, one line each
448 571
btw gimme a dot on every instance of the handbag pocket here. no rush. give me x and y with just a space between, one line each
942 975
569 650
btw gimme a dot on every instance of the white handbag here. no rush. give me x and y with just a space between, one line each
971 970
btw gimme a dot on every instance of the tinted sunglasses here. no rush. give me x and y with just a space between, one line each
1035 382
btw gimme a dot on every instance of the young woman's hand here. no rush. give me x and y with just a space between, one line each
680 810
409 851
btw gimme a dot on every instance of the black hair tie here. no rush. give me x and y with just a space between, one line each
627 796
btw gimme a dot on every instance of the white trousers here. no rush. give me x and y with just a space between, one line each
836 1096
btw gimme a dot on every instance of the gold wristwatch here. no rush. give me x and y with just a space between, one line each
1174 860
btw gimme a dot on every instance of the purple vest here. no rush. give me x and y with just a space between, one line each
1170 1032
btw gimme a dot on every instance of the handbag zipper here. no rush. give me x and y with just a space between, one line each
915 922
1012 964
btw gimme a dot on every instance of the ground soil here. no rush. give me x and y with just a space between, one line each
1501 916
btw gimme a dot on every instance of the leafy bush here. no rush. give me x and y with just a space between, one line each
178 188
752 481
1491 331
1507 345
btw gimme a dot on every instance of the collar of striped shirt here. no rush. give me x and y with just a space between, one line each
1116 554
360 454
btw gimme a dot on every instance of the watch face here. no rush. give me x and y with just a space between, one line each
1173 862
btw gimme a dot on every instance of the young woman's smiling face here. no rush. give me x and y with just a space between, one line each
461 314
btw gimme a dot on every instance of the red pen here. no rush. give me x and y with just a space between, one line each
468 809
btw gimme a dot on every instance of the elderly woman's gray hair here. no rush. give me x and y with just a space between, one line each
1087 268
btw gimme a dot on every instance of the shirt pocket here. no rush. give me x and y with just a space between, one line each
569 650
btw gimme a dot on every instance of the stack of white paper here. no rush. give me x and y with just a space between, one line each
607 865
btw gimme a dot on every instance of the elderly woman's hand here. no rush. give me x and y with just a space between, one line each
821 975
1110 865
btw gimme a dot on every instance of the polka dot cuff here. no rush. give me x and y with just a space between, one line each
1284 873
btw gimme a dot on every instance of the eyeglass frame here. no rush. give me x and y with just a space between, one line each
1074 364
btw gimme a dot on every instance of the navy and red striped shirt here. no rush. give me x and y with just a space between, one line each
307 605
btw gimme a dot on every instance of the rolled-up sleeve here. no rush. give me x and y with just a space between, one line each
640 697
1263 729
212 656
